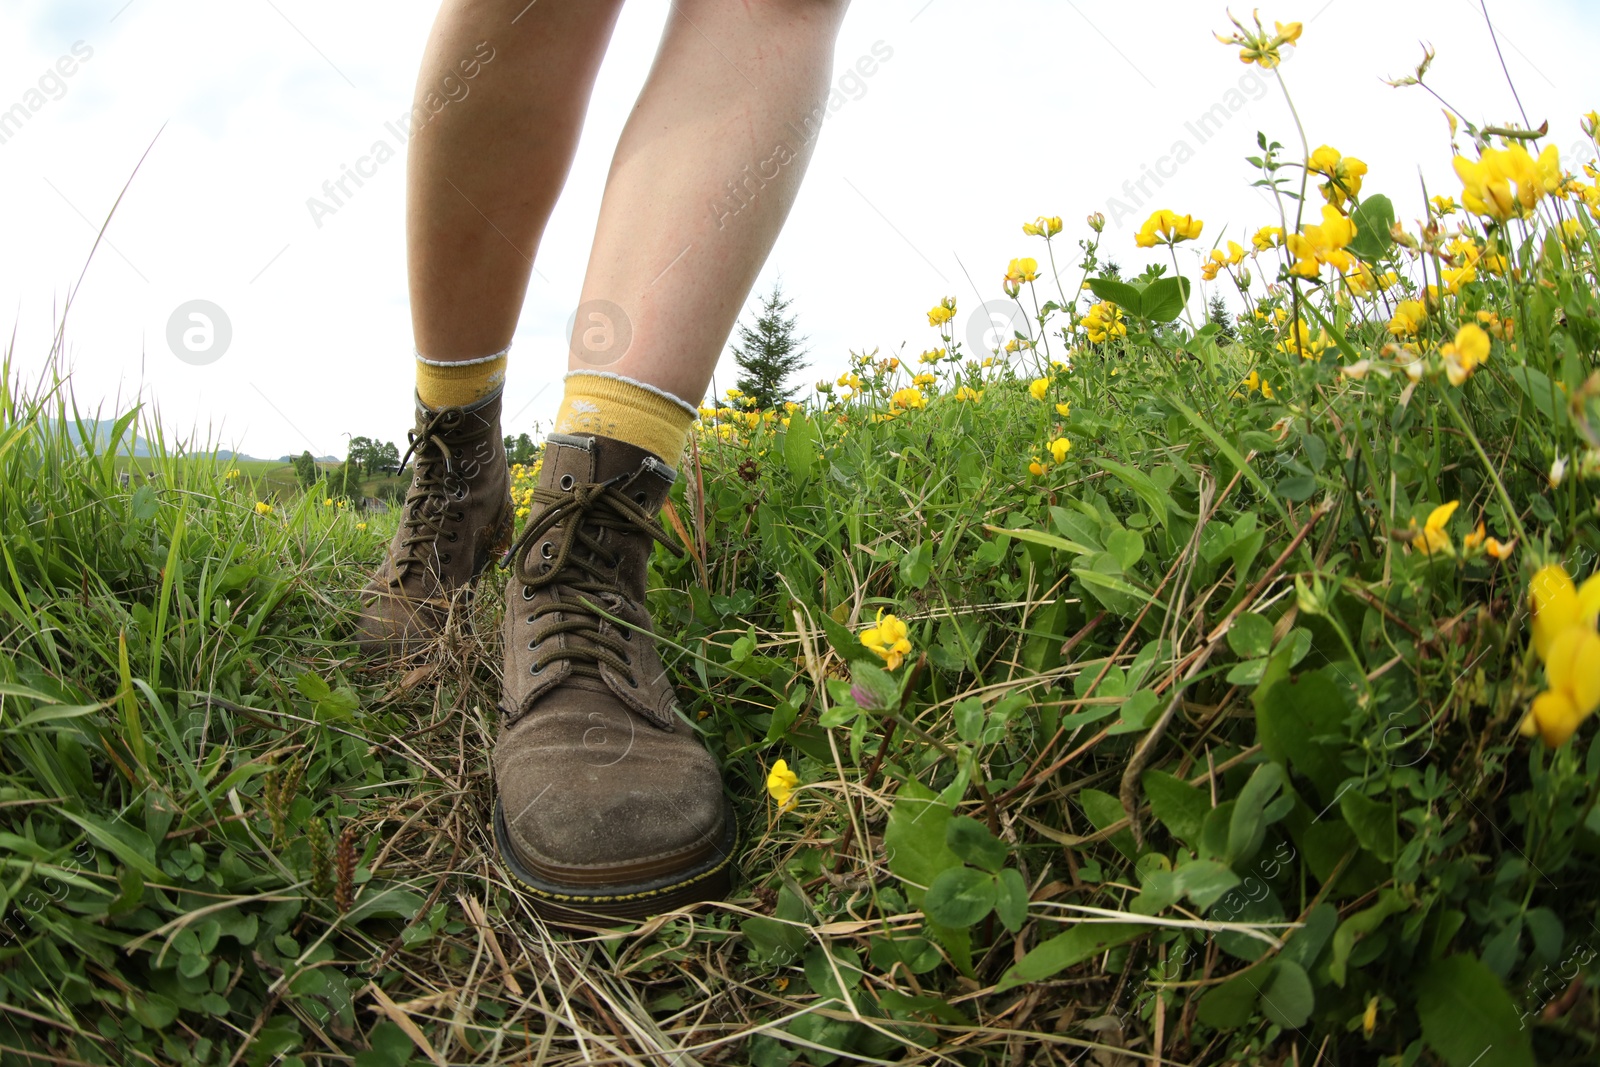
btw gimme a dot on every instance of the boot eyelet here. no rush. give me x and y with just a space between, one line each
627 635
543 567
445 558
639 498
566 483
527 592
532 644
626 662
547 550
535 669
451 537
632 684
530 623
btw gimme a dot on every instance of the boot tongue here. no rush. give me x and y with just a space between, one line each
599 459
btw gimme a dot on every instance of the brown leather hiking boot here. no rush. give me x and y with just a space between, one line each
458 516
609 806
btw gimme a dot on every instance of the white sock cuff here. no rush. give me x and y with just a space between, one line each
462 362
688 408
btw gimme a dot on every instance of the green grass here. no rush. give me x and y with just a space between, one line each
1195 750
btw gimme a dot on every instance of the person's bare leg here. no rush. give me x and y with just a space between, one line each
702 180
499 103
485 169
609 805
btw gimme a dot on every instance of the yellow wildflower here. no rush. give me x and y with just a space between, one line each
1365 283
1059 449
1267 237
1039 387
1323 243
1408 319
943 312
1463 355
1500 549
361 526
923 380
1023 270
888 638
1043 226
1217 260
932 355
1433 538
1487 183
1443 205
1167 227
781 782
263 508
1343 174
968 394
1300 342
1036 468
1064 410
1255 383
1259 46
1564 637
1103 322
908 398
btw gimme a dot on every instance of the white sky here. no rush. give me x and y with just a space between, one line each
986 115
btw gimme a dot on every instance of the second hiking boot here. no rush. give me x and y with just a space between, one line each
457 518
609 805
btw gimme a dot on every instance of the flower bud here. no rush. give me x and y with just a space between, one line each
1097 221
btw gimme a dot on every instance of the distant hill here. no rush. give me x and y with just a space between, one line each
101 434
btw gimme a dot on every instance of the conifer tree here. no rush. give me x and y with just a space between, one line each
769 352
1226 332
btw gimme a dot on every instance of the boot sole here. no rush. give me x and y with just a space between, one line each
589 906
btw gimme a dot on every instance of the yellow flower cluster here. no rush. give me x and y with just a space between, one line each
1167 227
1103 322
1507 183
1043 226
1323 244
1565 639
908 399
942 312
524 476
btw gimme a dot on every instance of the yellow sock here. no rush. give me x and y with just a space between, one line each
610 405
449 385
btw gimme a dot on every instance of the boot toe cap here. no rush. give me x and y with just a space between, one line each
601 795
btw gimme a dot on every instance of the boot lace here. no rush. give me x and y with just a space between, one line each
427 505
580 563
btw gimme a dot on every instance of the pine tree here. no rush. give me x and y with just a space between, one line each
1226 333
769 352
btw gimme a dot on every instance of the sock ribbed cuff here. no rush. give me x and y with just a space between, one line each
611 405
442 384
